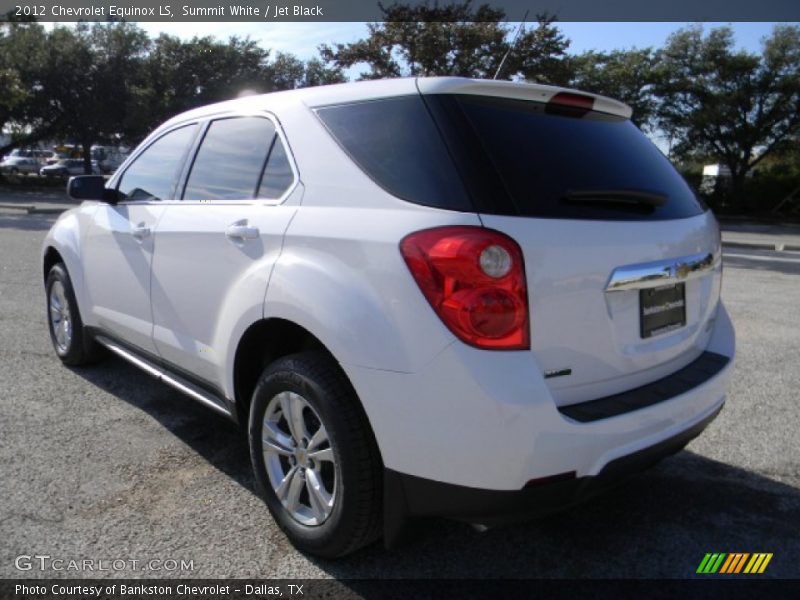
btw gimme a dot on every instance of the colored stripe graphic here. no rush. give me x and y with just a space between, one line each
728 564
732 559
734 563
758 563
711 563
703 563
741 562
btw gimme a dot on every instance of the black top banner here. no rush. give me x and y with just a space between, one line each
270 11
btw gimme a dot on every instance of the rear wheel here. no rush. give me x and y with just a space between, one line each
70 340
315 460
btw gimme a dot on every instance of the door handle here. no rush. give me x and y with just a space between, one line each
240 231
141 231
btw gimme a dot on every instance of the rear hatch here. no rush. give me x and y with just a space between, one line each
622 260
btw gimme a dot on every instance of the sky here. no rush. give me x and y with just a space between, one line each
303 39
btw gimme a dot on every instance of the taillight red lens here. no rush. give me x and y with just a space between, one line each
474 278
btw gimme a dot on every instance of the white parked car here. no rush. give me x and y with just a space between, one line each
65 167
20 165
475 299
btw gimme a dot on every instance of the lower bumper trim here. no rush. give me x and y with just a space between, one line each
696 373
410 496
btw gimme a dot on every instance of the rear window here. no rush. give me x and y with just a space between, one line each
525 158
397 144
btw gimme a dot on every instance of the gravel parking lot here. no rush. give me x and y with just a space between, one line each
107 463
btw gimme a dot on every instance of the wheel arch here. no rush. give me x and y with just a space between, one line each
51 257
262 343
63 244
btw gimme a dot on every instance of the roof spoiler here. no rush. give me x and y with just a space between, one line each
523 91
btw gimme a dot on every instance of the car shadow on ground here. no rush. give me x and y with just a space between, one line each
217 439
658 524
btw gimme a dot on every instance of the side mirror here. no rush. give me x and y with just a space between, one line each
91 187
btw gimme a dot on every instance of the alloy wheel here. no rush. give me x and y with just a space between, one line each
60 318
300 461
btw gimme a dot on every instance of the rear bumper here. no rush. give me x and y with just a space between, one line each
487 420
420 497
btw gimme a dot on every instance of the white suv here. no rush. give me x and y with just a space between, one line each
475 299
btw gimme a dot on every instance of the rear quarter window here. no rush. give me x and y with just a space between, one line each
397 144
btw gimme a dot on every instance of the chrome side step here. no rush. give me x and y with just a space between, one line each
176 381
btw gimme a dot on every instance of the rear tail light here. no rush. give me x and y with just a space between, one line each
474 278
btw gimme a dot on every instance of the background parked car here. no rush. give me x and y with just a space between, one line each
29 153
18 165
108 158
66 167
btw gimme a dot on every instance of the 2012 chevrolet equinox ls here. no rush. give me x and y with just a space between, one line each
476 299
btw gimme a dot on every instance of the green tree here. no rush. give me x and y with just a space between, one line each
91 78
108 82
540 54
626 75
735 105
187 74
453 39
317 73
23 100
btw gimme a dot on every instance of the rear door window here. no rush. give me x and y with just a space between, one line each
230 160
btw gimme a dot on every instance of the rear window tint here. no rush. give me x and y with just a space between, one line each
397 144
519 159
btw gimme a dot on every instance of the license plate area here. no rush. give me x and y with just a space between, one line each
662 309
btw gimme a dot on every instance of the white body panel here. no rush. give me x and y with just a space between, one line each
118 252
487 420
327 259
203 281
575 324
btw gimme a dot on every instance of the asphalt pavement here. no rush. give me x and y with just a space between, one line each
105 462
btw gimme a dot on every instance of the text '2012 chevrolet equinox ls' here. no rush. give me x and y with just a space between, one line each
475 299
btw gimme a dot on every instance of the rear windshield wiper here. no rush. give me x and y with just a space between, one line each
631 198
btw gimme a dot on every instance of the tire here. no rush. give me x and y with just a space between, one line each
73 345
347 469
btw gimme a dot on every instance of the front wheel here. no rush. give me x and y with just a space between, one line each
315 460
70 340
